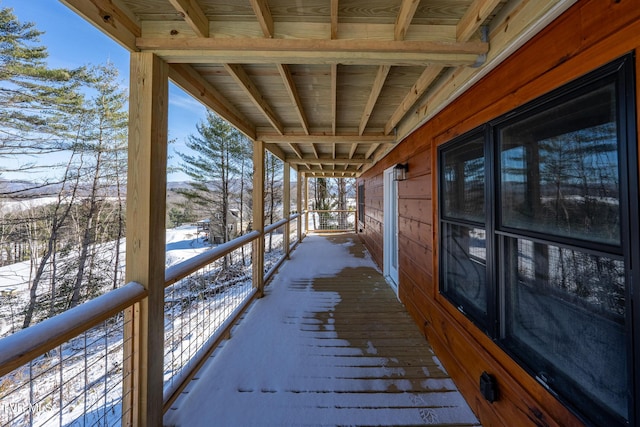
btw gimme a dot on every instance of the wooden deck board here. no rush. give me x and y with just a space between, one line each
355 356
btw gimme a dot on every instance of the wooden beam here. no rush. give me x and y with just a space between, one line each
417 90
353 149
334 97
230 28
242 78
371 150
312 51
378 84
476 14
146 202
193 15
261 9
290 86
276 151
334 19
296 149
329 139
327 161
189 80
318 168
405 16
111 17
258 217
325 174
315 151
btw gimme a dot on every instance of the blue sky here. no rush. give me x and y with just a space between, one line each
72 42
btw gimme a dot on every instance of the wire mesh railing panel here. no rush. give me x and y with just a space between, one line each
335 220
197 307
293 232
273 247
78 383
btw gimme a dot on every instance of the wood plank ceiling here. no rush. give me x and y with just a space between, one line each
329 85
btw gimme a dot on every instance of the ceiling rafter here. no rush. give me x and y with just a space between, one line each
474 17
242 78
296 150
378 84
278 152
334 19
111 17
263 13
290 86
334 97
315 150
193 15
327 161
353 149
405 16
323 138
187 78
371 150
417 90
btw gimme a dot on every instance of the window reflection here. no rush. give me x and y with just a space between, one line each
559 170
463 177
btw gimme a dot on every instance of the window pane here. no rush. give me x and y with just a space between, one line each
565 317
463 178
559 170
464 269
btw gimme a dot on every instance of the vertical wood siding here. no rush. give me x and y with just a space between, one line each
589 35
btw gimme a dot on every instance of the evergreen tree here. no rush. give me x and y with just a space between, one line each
214 168
35 100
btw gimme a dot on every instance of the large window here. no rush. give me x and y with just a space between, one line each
361 204
536 222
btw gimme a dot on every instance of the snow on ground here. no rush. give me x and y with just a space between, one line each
182 243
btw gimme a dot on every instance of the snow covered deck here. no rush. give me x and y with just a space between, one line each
329 344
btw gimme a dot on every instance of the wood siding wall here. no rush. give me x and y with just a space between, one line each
587 36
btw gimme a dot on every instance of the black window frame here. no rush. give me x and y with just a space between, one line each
361 204
622 73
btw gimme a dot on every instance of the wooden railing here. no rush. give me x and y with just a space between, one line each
38 380
30 348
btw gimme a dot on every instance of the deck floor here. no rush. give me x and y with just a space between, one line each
329 344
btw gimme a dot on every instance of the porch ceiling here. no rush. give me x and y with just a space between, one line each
329 85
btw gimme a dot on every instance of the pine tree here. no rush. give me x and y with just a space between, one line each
214 169
34 99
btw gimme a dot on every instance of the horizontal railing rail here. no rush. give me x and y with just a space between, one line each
179 271
25 345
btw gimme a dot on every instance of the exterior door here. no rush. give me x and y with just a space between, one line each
391 229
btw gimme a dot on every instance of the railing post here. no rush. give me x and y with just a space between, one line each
286 207
299 204
306 204
258 216
145 264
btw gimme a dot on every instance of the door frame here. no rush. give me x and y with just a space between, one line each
390 230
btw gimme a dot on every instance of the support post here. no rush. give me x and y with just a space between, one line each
286 205
299 204
306 204
258 216
146 200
